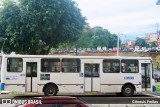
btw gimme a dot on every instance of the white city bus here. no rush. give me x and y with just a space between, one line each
50 74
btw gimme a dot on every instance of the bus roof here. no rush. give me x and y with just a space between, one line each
81 57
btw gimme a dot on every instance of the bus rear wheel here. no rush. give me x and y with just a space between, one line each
50 90
127 91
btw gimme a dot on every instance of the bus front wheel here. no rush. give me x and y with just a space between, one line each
50 90
127 91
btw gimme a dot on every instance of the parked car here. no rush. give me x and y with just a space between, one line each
139 50
127 50
158 49
154 49
114 50
156 75
56 101
71 51
101 51
124 50
106 51
146 50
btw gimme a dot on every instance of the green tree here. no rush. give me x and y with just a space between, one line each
97 36
140 42
122 46
36 26
153 44
85 40
113 41
100 37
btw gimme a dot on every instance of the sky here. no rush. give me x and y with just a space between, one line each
129 18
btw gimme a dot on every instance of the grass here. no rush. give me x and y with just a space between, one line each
157 87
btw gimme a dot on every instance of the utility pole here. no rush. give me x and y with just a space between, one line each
157 35
118 44
157 31
119 34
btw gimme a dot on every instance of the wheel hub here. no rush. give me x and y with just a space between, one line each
128 90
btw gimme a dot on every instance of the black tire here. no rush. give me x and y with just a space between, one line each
127 91
50 90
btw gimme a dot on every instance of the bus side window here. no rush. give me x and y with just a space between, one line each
14 65
129 66
70 65
50 65
111 66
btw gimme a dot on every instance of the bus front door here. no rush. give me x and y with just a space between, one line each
91 75
31 76
146 76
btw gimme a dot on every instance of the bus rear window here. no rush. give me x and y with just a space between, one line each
14 65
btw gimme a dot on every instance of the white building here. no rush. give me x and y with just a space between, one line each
104 48
99 48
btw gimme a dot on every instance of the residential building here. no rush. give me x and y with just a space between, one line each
150 37
129 43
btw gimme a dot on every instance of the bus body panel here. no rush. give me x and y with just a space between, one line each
115 81
71 82
90 78
13 79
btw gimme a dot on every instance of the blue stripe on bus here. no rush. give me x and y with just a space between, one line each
2 86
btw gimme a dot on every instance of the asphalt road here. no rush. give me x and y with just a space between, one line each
114 99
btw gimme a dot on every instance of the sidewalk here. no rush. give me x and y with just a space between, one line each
154 94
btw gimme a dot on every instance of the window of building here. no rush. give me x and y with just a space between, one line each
111 66
71 65
129 66
50 65
14 65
